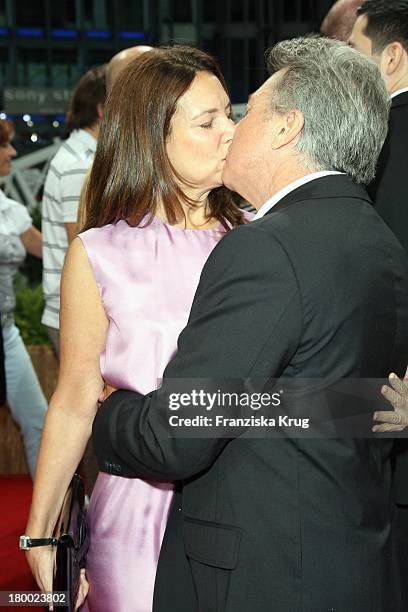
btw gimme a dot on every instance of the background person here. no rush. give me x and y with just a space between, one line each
381 33
119 61
156 209
62 189
340 19
18 236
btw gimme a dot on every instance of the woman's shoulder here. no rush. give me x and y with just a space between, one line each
96 234
108 246
113 237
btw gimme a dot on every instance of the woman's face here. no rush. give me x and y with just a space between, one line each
7 152
200 134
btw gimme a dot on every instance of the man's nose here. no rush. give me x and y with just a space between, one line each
12 151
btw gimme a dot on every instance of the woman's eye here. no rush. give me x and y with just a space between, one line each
208 125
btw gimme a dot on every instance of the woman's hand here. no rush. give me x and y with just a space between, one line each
107 391
397 395
41 561
83 590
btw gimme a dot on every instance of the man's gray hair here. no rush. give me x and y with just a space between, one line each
343 99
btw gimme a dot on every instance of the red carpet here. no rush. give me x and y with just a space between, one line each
15 575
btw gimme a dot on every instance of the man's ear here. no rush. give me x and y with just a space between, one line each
287 127
391 58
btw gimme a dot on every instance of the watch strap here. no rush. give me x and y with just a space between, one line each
26 542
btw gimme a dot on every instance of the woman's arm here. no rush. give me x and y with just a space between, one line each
32 240
73 405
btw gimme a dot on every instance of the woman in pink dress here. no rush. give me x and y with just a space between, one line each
155 210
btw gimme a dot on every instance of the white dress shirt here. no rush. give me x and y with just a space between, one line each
291 187
398 92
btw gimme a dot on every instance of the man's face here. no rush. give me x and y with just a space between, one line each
358 40
251 144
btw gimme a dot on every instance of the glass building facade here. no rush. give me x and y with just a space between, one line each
50 43
46 45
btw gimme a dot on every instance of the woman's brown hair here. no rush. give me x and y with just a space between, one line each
131 172
6 131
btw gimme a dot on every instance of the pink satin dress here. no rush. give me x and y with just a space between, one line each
147 278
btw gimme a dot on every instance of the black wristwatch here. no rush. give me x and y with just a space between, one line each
26 542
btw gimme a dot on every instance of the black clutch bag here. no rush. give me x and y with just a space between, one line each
73 541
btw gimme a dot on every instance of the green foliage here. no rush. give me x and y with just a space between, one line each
35 214
32 271
28 312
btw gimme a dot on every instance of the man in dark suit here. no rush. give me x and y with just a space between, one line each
381 33
315 287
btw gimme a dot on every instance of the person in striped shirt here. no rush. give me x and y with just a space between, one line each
63 186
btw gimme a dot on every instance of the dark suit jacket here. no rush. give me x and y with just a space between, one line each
389 192
316 288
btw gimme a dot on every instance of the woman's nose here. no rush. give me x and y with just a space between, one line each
229 132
